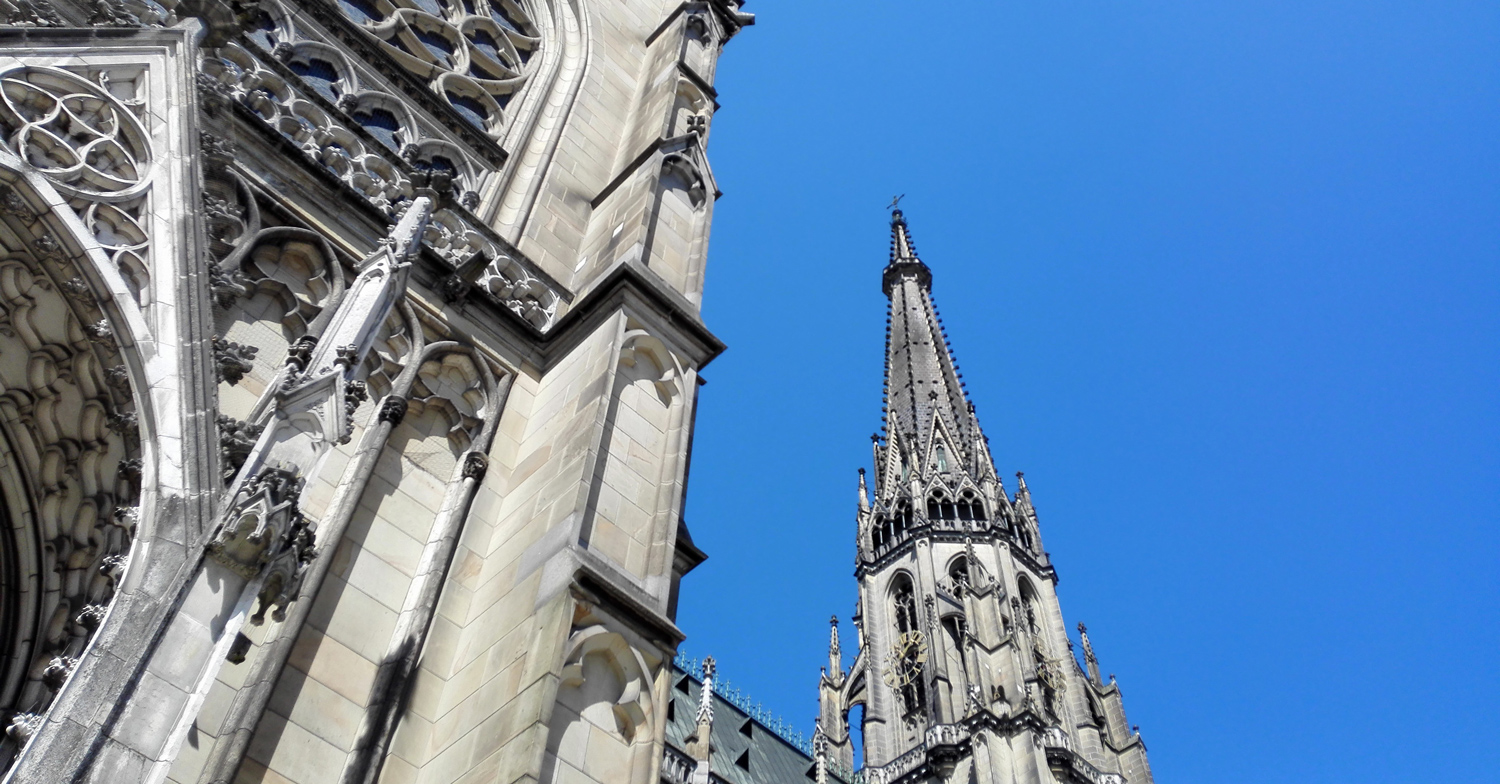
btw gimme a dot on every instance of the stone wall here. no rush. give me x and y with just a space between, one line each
401 326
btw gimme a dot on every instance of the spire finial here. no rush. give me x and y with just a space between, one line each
902 249
835 656
864 494
1088 655
706 698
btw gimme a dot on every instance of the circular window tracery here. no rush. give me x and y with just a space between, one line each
69 129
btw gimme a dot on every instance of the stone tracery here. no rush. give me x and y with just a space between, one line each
89 143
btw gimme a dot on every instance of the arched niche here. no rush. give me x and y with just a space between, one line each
601 722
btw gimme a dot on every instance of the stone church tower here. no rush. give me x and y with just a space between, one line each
965 672
349 352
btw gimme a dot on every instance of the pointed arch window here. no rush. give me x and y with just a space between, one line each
1023 535
911 689
970 507
940 507
958 574
942 459
957 630
902 518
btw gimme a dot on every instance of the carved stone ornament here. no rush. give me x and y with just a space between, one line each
393 409
260 523
385 179
355 393
284 571
58 670
29 13
233 360
236 440
124 423
297 356
14 204
475 465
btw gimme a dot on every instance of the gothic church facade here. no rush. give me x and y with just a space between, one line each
349 352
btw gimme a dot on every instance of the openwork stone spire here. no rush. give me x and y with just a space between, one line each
924 391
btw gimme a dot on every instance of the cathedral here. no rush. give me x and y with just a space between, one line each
349 356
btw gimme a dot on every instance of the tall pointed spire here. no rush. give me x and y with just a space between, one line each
924 391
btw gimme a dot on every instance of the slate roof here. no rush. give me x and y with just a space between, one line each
921 376
745 751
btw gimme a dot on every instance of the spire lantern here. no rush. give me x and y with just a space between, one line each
904 261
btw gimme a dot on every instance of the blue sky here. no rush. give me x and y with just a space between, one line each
1224 280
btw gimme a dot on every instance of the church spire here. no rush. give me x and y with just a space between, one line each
924 392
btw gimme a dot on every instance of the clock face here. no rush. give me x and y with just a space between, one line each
903 664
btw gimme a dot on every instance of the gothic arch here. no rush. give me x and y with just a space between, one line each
605 693
631 498
71 436
690 110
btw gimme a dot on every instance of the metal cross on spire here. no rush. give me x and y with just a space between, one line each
896 202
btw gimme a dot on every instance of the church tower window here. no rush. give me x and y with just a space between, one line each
942 459
909 683
902 518
970 507
956 628
940 507
958 574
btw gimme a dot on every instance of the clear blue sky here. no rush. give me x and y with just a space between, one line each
1224 280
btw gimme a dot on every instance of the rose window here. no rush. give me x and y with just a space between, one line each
472 53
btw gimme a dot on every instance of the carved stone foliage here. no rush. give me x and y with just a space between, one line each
69 481
233 360
87 140
505 278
